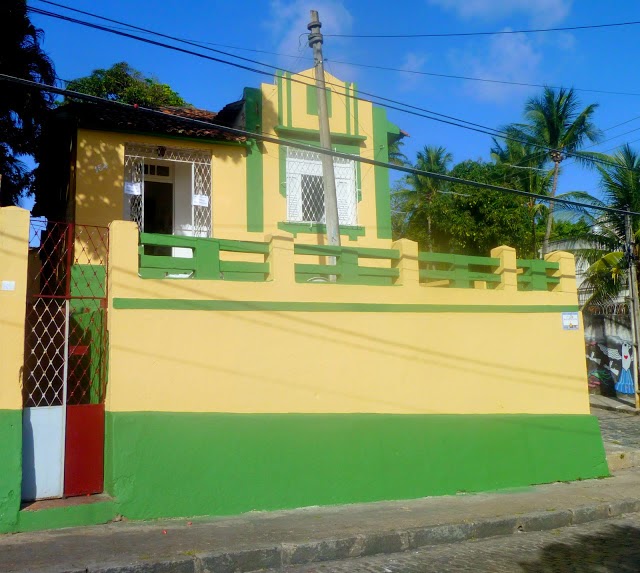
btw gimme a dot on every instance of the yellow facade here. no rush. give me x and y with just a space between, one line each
14 240
473 352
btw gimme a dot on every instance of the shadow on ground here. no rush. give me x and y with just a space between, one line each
616 549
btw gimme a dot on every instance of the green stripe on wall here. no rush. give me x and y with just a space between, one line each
181 464
287 76
254 169
10 468
381 175
249 305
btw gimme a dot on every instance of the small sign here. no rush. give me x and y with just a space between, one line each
200 200
570 321
132 188
8 285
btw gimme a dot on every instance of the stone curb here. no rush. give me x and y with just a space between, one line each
621 410
368 543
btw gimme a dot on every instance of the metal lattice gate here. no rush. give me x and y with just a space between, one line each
64 375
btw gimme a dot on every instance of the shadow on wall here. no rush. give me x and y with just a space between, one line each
615 549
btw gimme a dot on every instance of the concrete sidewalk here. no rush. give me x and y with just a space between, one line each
272 539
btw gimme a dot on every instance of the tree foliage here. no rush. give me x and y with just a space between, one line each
125 84
22 111
555 127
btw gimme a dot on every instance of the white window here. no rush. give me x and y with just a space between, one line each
305 189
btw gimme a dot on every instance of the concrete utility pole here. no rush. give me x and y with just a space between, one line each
328 176
633 293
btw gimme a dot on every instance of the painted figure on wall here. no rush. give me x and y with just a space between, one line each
624 385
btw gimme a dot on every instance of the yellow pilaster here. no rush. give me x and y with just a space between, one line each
566 273
508 269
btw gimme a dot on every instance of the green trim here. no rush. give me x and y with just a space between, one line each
312 101
348 107
167 464
282 157
320 229
356 124
11 463
381 176
254 164
295 306
289 101
314 135
280 96
83 514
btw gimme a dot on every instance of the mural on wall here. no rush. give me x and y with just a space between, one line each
609 366
624 385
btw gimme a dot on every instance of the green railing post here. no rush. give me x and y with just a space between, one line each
207 259
348 264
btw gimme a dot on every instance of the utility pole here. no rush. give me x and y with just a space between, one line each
328 176
633 293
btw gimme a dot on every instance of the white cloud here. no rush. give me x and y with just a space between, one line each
412 62
288 24
512 58
541 12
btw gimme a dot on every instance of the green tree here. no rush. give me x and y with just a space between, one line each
125 84
556 127
21 110
415 197
472 221
620 188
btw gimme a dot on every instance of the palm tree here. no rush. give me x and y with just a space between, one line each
21 110
556 128
525 171
620 188
414 200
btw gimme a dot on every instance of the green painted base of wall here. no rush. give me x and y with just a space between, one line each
182 464
10 468
73 516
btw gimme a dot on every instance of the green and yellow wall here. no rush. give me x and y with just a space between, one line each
14 241
227 397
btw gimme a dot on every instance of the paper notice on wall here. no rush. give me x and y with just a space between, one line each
570 321
200 200
132 188
8 285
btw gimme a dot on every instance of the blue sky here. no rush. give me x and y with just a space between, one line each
602 59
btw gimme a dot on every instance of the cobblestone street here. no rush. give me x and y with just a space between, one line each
609 546
618 427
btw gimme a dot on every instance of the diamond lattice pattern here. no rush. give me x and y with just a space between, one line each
134 160
305 188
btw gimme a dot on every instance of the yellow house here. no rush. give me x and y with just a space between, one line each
187 360
174 177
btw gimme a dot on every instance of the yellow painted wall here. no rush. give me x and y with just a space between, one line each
14 241
275 204
100 179
384 362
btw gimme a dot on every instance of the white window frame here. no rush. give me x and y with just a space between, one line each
299 163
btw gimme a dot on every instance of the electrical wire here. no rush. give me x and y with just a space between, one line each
497 33
203 44
435 116
280 141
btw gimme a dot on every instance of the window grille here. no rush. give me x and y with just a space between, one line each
305 188
134 168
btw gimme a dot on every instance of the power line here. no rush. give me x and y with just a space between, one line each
435 116
498 33
280 141
203 44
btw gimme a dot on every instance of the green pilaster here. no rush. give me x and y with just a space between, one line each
381 174
10 468
254 167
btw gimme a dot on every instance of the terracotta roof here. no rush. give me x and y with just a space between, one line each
130 119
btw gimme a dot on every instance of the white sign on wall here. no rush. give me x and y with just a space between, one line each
570 321
132 188
200 200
